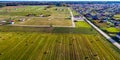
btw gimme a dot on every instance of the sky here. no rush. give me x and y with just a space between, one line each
59 0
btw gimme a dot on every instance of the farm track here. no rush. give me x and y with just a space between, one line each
72 17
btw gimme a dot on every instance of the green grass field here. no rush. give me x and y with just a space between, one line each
117 16
47 21
58 16
107 27
26 43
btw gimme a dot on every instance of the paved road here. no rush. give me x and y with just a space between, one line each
104 34
72 17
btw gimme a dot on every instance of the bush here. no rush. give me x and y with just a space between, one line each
1 5
46 15
112 30
31 15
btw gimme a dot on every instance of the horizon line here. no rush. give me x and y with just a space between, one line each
76 1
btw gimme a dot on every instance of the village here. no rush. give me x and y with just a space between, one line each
105 16
102 12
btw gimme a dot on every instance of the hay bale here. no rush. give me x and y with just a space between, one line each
86 57
45 52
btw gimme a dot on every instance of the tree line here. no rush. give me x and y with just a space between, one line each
17 3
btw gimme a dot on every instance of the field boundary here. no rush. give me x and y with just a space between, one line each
38 25
72 17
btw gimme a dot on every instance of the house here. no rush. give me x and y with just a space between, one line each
94 17
78 18
104 20
12 22
3 22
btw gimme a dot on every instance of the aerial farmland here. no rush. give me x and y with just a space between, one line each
36 15
46 32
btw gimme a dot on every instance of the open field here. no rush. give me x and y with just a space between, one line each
26 43
107 28
117 17
37 15
47 21
82 24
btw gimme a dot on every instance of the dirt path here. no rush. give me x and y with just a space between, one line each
72 17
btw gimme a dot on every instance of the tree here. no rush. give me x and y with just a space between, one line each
2 5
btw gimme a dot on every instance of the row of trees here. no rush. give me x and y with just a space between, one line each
57 3
37 15
33 3
2 5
